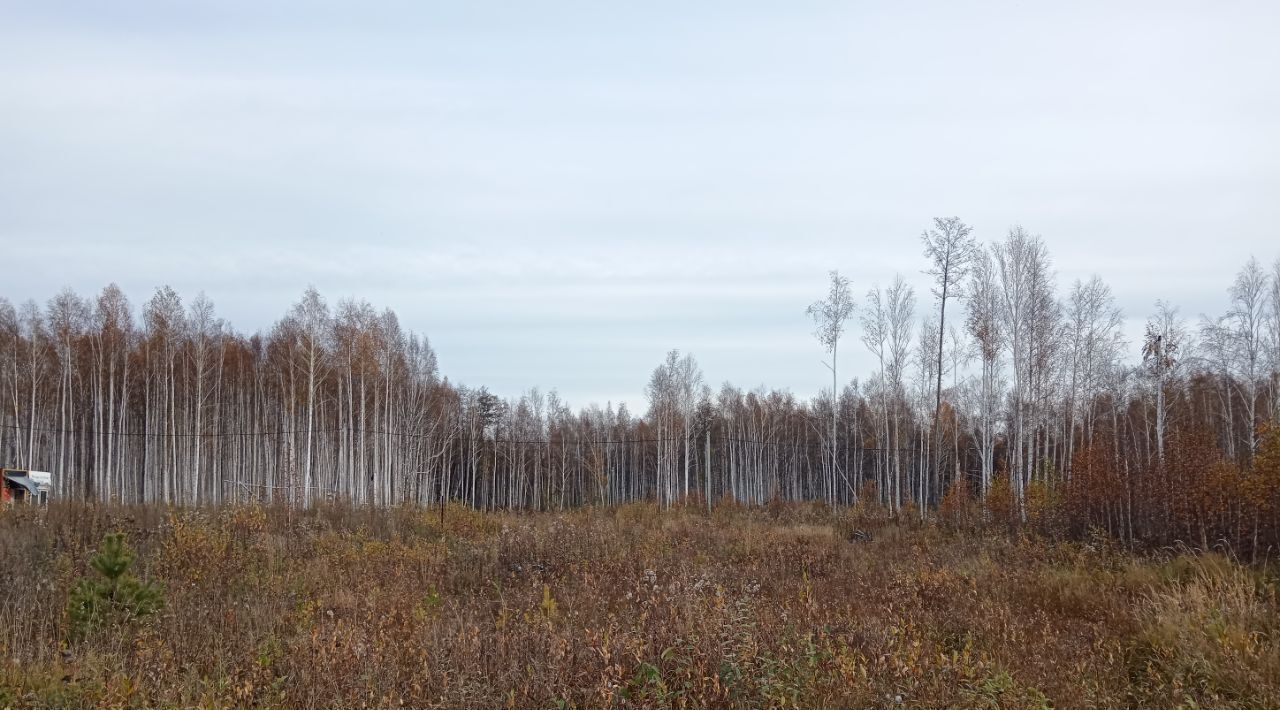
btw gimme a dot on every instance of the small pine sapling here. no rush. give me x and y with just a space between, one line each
118 597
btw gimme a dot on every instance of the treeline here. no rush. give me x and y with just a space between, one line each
1007 389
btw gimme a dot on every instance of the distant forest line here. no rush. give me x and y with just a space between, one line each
1004 389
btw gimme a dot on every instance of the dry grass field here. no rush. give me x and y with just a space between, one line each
787 606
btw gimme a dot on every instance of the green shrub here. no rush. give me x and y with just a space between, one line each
117 597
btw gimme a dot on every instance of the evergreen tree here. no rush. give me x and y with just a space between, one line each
118 596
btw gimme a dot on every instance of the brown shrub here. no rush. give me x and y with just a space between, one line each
631 606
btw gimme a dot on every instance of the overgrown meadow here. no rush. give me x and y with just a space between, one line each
782 606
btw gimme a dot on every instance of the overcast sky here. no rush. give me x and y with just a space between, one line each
558 193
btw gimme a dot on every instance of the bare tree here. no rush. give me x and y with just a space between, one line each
900 312
673 392
1022 261
166 325
1044 341
951 249
829 317
311 315
925 474
1245 323
1237 345
68 318
10 425
1273 332
1215 353
112 338
985 326
206 331
875 335
688 379
661 392
1161 352
1094 324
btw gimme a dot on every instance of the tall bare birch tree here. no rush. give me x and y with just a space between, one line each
900 306
1021 262
1094 324
950 247
829 316
1245 326
875 336
311 315
1273 338
1162 346
986 328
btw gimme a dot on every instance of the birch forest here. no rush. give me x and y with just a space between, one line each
1000 383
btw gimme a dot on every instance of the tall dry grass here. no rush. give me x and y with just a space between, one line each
787 606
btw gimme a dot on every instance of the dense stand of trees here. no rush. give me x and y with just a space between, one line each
1006 388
